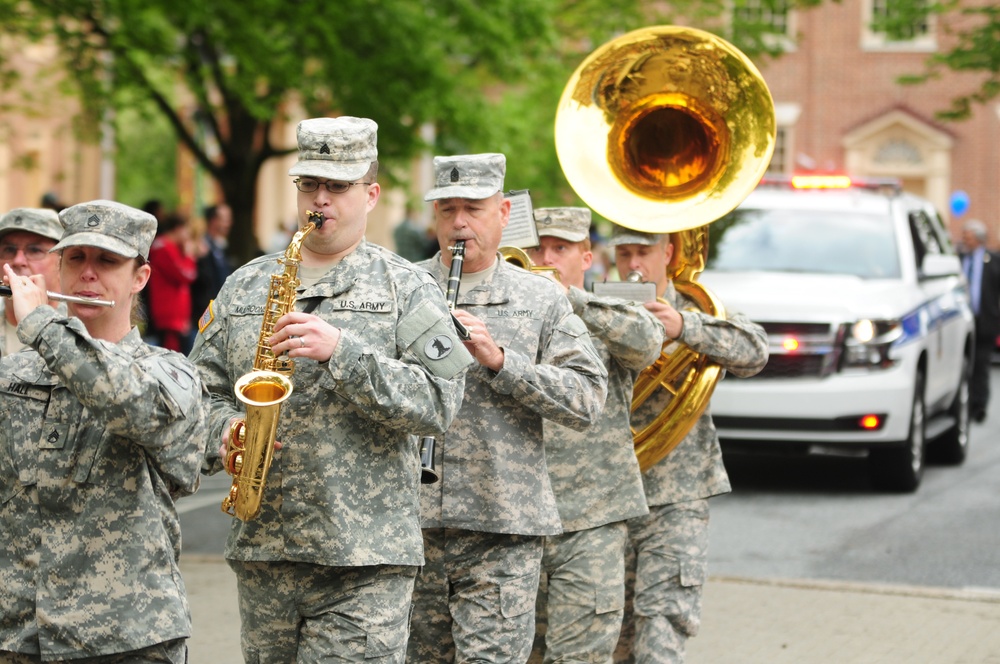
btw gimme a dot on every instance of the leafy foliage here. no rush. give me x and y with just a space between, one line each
146 143
976 30
486 75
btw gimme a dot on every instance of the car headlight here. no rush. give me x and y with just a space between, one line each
867 343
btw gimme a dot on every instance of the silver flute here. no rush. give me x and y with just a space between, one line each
59 297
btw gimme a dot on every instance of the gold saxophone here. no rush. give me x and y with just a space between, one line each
262 391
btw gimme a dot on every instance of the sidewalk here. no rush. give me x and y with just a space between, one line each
744 621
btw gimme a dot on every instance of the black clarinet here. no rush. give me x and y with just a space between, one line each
427 473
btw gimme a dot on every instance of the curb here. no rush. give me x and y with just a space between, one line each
986 595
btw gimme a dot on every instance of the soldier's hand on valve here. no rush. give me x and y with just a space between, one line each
670 317
26 292
224 447
299 334
480 343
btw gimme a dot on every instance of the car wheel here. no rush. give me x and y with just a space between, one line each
901 468
953 446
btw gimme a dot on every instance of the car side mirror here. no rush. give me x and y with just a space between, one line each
936 266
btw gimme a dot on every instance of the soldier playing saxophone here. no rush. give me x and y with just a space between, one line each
329 563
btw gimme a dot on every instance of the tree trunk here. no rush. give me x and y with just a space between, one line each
241 199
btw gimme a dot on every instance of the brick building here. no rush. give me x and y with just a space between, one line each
840 108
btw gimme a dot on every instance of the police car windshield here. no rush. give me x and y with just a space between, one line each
811 241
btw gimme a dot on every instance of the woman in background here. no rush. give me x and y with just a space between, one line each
172 260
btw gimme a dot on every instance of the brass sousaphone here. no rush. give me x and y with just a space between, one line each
665 130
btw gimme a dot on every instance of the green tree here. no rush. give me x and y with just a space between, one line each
975 31
486 75
520 121
147 158
238 67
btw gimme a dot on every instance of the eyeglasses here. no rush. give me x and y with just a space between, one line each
32 252
332 186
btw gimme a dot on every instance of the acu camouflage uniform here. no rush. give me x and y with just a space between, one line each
667 564
598 486
4 303
343 490
42 222
484 520
96 441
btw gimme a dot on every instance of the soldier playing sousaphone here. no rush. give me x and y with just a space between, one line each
595 473
669 546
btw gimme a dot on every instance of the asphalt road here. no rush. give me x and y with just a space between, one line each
203 524
810 518
820 518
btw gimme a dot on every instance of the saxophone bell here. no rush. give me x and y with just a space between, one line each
251 440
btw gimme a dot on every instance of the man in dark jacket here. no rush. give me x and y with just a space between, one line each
982 270
214 264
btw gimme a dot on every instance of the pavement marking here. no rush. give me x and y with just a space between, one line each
988 595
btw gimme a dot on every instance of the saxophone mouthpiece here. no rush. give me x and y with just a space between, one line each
316 217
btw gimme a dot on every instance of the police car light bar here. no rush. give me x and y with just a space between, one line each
821 182
832 181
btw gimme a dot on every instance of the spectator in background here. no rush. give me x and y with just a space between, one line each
413 242
50 201
173 270
282 236
982 270
153 206
601 268
214 265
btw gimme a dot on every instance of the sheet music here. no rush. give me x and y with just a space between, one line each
520 231
626 290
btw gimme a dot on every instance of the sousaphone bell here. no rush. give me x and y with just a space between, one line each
665 130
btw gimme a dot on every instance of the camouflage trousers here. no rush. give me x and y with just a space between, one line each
581 596
664 576
301 612
168 652
474 600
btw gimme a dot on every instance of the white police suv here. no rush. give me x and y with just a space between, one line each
869 322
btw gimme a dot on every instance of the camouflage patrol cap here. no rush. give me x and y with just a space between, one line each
40 221
568 223
622 235
336 148
472 176
108 225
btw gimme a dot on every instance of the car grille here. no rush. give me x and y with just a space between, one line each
787 366
817 355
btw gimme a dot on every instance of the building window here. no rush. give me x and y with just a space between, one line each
779 159
897 26
772 14
898 151
767 21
